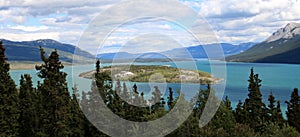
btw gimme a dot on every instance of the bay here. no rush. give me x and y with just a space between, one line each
280 79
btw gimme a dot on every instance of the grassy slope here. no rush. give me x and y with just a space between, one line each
268 52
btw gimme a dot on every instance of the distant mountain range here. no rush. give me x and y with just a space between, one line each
282 47
29 50
194 52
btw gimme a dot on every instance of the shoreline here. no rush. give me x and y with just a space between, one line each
141 73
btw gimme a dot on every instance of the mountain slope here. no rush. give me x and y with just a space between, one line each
278 48
199 52
29 50
195 52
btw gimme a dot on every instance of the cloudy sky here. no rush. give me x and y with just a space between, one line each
232 21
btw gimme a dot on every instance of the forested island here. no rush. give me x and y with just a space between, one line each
142 73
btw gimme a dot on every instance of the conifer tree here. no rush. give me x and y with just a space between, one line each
200 100
279 118
156 99
255 106
170 99
227 103
103 83
118 87
274 111
89 129
135 89
9 112
272 101
293 112
77 122
125 91
55 96
28 111
238 113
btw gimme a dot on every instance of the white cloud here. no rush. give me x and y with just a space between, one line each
255 19
29 28
233 21
31 36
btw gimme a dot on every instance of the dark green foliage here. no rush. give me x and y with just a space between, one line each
227 103
77 121
170 99
89 129
274 130
239 113
272 101
242 130
274 112
279 118
293 112
55 96
135 89
9 112
255 106
28 108
157 100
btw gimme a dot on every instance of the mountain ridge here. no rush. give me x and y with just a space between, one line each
280 44
192 52
29 50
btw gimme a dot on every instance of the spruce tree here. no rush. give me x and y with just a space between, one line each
279 118
238 113
255 106
77 122
28 111
227 103
103 83
293 112
170 99
274 111
156 99
55 96
9 112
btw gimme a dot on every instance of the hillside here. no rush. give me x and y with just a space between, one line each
282 47
29 50
199 52
195 52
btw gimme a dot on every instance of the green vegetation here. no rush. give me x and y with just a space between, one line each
9 101
139 73
51 111
280 51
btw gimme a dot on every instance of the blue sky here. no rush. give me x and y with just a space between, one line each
232 21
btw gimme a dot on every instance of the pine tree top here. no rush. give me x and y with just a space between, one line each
2 54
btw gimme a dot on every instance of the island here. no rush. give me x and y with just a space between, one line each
145 73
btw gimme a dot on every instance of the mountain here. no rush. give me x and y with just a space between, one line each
29 50
195 52
199 52
119 55
282 47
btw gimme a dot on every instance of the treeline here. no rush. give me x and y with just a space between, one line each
50 110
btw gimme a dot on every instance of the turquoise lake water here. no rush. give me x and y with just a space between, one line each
277 78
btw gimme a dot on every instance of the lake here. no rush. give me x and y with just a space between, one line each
280 79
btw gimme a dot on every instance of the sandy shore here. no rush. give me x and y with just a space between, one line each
15 65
